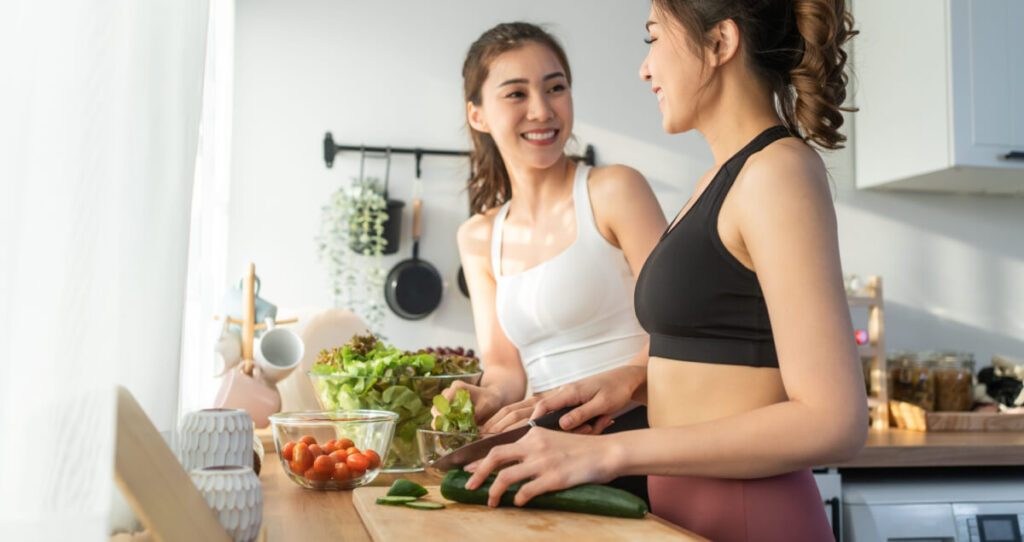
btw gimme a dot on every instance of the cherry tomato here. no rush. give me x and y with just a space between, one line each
323 464
308 439
286 452
330 446
373 458
341 472
315 476
339 456
345 443
356 473
302 459
316 450
357 461
352 450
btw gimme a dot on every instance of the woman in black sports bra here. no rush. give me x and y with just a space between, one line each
753 375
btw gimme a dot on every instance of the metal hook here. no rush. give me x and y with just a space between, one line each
362 162
387 171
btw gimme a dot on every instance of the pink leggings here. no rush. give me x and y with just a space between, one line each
784 508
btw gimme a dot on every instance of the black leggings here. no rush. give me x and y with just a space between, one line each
634 419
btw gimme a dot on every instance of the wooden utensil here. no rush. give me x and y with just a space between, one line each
474 522
249 318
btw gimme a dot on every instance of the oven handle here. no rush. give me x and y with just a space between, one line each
834 504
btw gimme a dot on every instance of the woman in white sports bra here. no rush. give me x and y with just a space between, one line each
552 253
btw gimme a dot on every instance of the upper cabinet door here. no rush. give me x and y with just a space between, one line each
940 87
988 80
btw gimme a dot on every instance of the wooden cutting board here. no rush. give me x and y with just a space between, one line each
474 522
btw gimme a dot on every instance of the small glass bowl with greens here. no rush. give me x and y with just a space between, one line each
368 374
453 427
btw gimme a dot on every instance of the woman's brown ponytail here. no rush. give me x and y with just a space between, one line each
795 47
489 185
820 78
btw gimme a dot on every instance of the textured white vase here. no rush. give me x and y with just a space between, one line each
236 498
216 437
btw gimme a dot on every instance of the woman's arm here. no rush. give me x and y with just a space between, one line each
787 225
504 380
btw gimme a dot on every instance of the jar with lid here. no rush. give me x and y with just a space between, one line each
911 378
954 380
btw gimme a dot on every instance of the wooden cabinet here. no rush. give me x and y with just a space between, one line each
940 87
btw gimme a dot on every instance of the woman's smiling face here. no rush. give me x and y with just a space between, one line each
676 74
526 106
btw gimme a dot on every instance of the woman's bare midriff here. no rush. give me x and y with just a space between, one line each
685 393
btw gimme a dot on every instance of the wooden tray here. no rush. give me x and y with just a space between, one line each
474 522
909 416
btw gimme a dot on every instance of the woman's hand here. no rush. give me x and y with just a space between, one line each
599 395
486 400
553 459
510 416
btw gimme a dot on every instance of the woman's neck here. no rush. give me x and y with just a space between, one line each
536 192
743 108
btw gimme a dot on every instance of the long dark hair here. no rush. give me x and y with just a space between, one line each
794 46
489 184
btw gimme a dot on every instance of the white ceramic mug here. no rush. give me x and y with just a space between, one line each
278 352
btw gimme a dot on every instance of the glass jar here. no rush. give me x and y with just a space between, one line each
911 379
954 381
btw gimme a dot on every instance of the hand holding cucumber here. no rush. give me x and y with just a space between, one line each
550 460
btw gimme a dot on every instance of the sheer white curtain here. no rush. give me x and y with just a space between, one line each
99 116
208 244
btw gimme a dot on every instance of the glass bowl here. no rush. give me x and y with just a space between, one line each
411 397
435 444
325 434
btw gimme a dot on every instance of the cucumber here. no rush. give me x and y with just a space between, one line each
424 505
406 488
586 499
396 499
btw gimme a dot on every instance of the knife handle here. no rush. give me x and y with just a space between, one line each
550 420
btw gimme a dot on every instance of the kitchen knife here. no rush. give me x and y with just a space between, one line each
476 450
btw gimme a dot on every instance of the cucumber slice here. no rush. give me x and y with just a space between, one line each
424 505
406 488
395 500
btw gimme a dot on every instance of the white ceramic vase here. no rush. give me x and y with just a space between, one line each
236 498
216 437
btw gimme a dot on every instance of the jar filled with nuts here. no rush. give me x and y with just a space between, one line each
954 381
911 378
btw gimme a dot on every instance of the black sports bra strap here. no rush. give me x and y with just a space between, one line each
733 166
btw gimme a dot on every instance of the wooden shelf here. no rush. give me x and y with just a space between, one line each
874 352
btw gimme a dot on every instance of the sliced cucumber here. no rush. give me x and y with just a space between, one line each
406 488
424 505
395 500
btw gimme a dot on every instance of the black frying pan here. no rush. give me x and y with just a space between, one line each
413 287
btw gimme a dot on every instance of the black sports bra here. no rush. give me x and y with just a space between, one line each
697 301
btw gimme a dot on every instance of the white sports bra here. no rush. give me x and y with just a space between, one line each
571 316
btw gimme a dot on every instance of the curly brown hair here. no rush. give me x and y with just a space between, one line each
489 184
794 46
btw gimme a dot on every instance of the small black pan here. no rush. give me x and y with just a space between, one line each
413 287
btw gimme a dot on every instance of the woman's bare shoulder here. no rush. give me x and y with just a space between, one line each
474 235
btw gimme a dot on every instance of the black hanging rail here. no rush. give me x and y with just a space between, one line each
331 149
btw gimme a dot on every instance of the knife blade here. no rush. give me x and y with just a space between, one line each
476 450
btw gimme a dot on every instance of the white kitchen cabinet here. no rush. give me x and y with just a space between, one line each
940 87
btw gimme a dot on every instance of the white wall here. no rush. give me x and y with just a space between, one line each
387 75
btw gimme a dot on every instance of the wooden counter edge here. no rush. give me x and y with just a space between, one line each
902 448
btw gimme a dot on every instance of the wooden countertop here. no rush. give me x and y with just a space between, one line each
901 448
293 513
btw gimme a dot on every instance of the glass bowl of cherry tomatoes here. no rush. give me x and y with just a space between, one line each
337 449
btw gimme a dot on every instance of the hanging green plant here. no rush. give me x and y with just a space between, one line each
351 242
